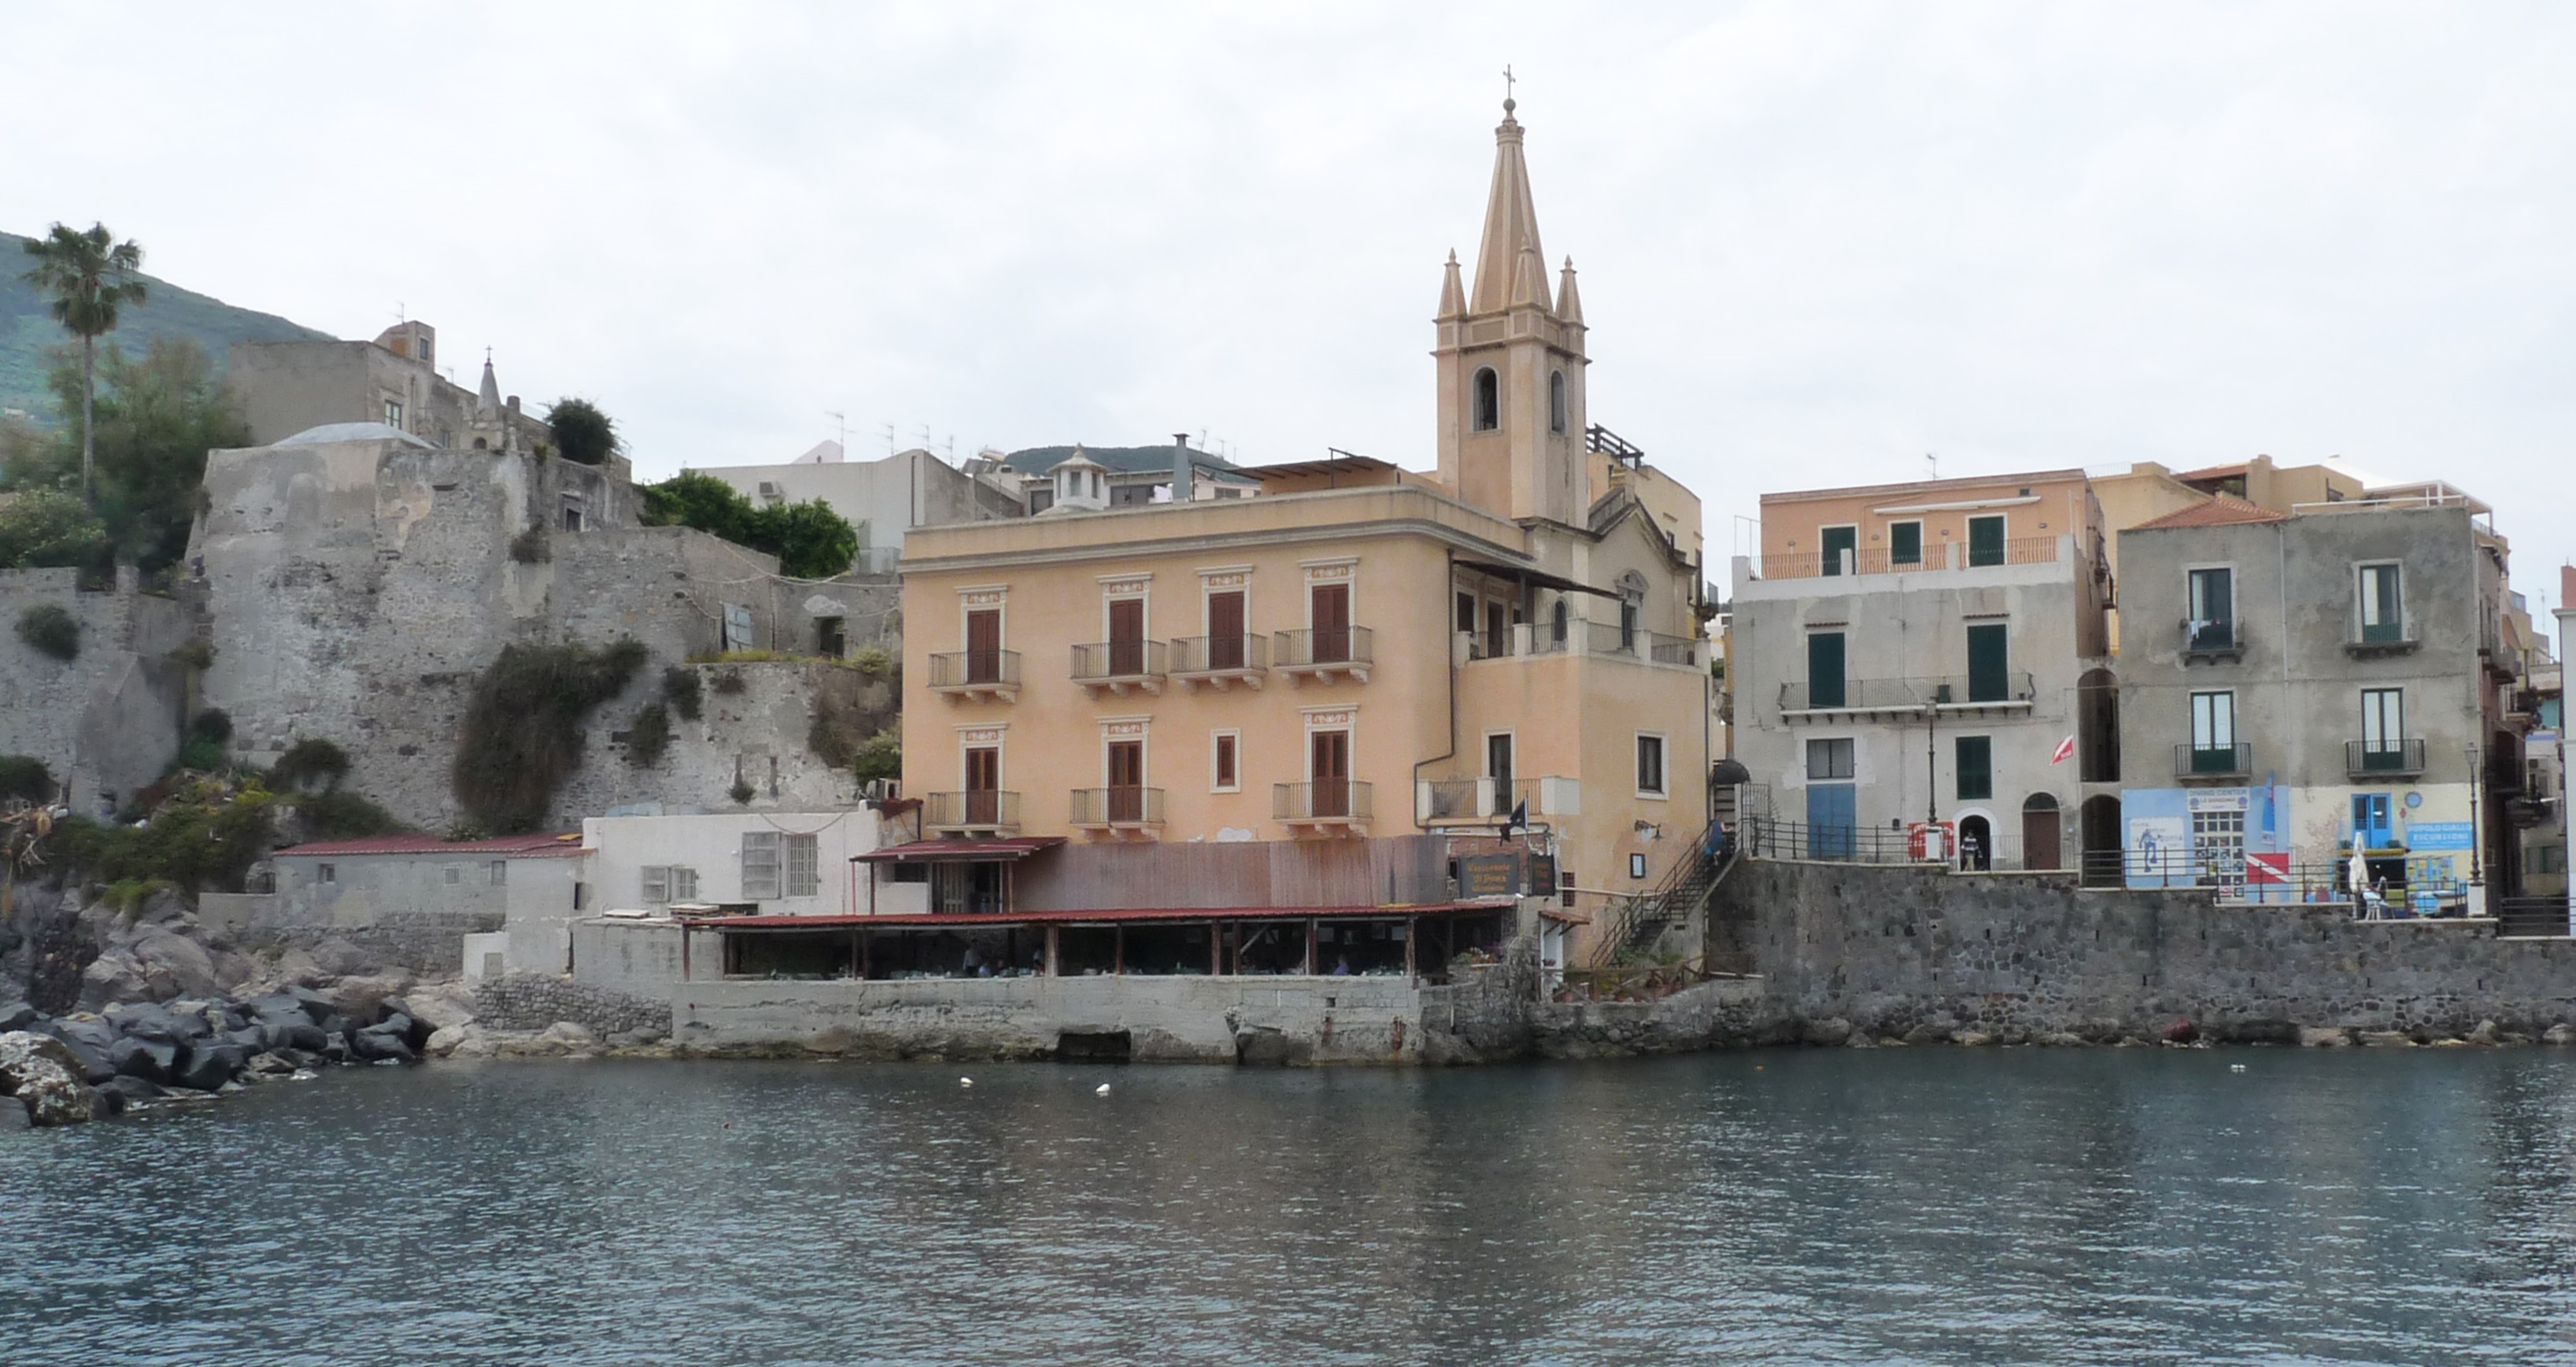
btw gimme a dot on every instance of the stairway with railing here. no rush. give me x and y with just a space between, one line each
1636 921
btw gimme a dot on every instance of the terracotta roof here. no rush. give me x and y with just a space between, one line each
539 845
1010 847
2216 511
1099 916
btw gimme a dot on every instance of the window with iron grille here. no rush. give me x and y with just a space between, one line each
804 873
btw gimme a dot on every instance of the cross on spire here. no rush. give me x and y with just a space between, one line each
1508 103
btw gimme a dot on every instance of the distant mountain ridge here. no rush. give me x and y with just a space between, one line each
27 331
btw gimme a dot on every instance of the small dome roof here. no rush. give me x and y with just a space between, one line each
330 432
1729 771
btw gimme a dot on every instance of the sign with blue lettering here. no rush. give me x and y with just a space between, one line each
2438 835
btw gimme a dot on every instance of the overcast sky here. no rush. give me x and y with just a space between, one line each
1817 240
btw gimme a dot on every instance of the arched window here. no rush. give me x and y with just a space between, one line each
1556 418
1556 624
1489 400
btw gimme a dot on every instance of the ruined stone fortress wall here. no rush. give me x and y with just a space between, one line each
108 720
1893 949
357 589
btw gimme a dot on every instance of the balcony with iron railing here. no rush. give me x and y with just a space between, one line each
1117 666
1323 806
2010 691
1601 640
1119 809
976 674
1940 557
978 811
2384 638
1220 662
2211 642
1489 801
2214 762
1324 654
2366 759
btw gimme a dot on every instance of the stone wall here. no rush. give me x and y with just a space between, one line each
640 957
109 719
1722 1014
1899 950
529 1001
758 735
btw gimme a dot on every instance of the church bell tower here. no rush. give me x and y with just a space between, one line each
1511 363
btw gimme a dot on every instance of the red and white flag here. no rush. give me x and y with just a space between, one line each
2065 751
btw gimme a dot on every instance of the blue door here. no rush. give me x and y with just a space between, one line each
2372 827
1829 820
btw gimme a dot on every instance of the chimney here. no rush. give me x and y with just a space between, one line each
1184 482
514 404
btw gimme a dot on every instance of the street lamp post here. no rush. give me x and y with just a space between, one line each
2477 899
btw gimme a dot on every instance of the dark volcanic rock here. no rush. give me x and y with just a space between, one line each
149 1059
18 1016
133 1089
381 1042
89 1041
106 1103
210 1066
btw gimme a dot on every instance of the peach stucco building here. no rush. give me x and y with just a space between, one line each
1358 651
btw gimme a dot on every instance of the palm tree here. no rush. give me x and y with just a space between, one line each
90 280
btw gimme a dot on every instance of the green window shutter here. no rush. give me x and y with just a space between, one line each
1838 542
1825 669
1985 541
1976 768
1988 679
1905 543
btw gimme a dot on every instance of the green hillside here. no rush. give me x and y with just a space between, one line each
27 331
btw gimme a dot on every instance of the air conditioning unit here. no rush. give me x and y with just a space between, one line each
878 790
769 490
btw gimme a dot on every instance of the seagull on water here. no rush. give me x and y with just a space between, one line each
1101 1090
965 1082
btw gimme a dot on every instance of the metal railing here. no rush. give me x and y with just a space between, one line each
1938 556
1635 921
1482 799
1955 690
1323 647
1336 799
1245 653
975 669
973 810
1120 660
2383 758
1635 643
2211 638
1118 805
2214 761
1764 838
1960 690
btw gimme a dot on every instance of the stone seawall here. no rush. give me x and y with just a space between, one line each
529 1001
1902 951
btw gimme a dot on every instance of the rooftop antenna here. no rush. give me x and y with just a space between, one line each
889 431
1933 461
843 420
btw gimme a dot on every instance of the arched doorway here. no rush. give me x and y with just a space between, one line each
2039 830
2097 726
1976 843
2100 818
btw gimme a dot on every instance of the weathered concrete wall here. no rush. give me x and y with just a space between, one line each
639 957
107 721
1182 1020
400 908
1711 1015
1891 949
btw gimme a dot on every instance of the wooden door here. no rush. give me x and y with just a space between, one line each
984 646
1498 630
1126 636
983 786
1498 767
2039 838
1225 630
1332 773
1332 619
1126 780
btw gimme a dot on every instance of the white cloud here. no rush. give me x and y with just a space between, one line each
1817 239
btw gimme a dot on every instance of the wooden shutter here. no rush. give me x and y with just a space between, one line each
984 646
1225 630
1825 669
1332 617
1989 679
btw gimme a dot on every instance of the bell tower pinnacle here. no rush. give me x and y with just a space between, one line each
1510 361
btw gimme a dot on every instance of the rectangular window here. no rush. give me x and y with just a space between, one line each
2213 609
657 884
684 883
1829 759
2383 611
1223 776
909 871
1650 766
326 873
804 866
1904 543
1825 669
1986 540
498 871
762 865
1988 656
1842 549
2218 846
451 875
1467 613
1976 768
737 628
393 414
2213 733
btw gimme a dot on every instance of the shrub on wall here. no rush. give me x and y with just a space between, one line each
680 690
310 763
48 628
25 777
583 434
521 737
214 724
531 547
649 736
206 834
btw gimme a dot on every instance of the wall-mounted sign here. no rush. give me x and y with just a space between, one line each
2437 835
2414 800
1489 875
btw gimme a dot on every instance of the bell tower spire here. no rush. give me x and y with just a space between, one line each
1510 355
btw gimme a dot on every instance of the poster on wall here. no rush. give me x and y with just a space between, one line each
2159 850
2437 835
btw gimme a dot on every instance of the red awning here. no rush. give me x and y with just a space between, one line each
1003 920
1015 847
